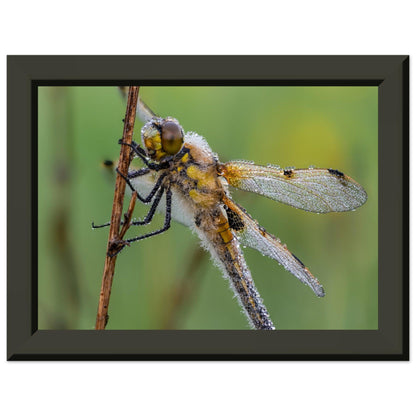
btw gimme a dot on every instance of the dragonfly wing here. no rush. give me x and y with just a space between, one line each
252 235
144 112
315 190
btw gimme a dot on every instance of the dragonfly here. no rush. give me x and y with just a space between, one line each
183 179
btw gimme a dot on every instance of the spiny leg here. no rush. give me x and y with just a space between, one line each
142 155
136 173
136 149
147 219
163 229
152 209
152 192
145 200
102 225
166 225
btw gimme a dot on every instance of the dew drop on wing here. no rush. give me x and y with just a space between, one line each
271 165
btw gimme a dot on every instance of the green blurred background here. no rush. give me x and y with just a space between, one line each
164 282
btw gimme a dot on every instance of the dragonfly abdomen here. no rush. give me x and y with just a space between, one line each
238 273
219 239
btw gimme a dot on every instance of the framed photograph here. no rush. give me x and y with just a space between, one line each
262 173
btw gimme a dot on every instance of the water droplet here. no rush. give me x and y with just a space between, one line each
271 165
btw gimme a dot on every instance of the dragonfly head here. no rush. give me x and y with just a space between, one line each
162 137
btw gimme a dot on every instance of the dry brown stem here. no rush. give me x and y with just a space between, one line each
115 237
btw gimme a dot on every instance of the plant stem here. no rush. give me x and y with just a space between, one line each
114 237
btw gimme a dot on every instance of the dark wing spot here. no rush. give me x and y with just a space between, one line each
336 173
263 231
234 219
298 260
288 173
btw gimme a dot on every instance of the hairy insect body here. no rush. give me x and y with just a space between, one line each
199 191
197 179
207 192
184 170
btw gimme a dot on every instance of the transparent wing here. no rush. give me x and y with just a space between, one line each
143 111
252 235
315 190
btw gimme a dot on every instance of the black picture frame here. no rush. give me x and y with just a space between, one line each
389 342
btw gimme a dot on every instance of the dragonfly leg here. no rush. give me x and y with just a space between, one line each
165 227
136 173
100 226
148 217
142 155
152 192
168 218
152 210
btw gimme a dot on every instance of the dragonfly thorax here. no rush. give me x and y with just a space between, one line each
162 137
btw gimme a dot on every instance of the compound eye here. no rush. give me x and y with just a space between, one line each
172 137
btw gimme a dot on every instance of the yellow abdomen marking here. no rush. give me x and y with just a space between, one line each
199 198
226 234
204 179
